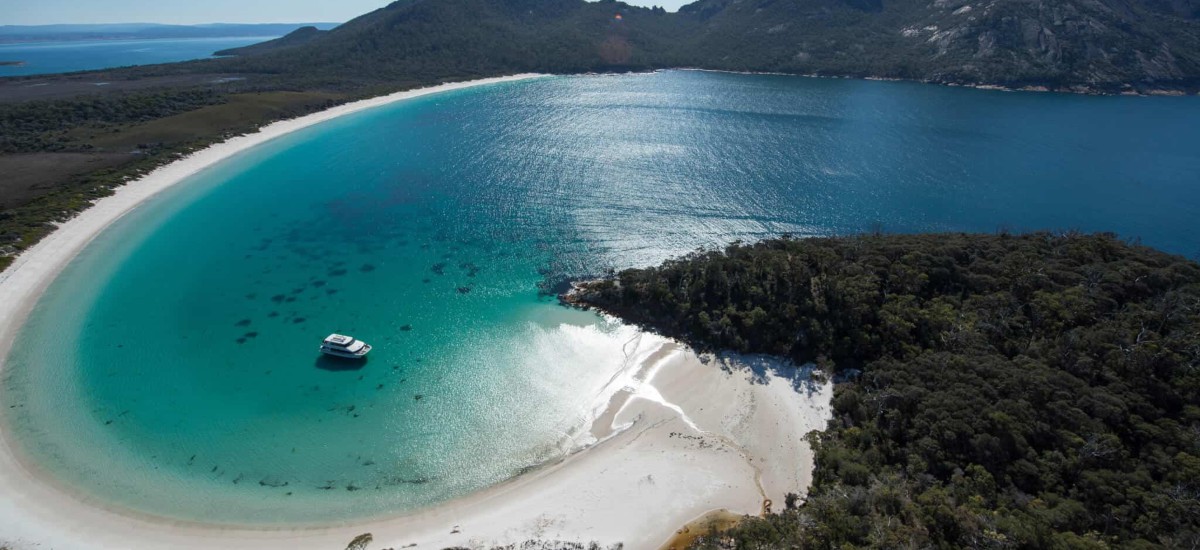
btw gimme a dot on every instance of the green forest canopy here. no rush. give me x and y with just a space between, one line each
1036 391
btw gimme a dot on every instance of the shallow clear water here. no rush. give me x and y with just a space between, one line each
172 368
87 55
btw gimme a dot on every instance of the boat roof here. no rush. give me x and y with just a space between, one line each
339 339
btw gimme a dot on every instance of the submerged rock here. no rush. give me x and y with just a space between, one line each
471 269
272 482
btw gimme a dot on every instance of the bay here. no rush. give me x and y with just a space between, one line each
172 368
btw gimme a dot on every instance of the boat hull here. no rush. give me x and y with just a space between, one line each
361 354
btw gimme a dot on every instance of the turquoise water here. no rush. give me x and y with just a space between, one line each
86 55
172 368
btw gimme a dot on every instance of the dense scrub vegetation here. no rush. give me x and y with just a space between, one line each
294 38
1033 391
39 126
1105 45
424 41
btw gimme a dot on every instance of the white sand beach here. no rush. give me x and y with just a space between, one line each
676 436
681 436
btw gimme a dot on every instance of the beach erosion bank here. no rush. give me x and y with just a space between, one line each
673 436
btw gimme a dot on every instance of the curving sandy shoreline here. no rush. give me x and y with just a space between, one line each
25 280
678 435
682 435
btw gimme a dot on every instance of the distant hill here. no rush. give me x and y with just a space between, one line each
1101 45
302 35
413 40
129 31
1079 45
1060 44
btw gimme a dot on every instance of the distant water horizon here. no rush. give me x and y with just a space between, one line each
172 368
51 57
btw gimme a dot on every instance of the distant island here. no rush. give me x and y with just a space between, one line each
145 31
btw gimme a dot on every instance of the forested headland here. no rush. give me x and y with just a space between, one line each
995 391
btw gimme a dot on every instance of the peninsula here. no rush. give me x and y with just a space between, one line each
1025 389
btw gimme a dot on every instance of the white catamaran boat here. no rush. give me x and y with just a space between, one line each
339 345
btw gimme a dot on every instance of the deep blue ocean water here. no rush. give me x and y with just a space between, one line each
172 368
86 55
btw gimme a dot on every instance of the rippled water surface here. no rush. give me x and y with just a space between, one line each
173 367
87 55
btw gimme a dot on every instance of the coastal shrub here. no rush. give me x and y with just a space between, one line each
1035 391
39 126
360 542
